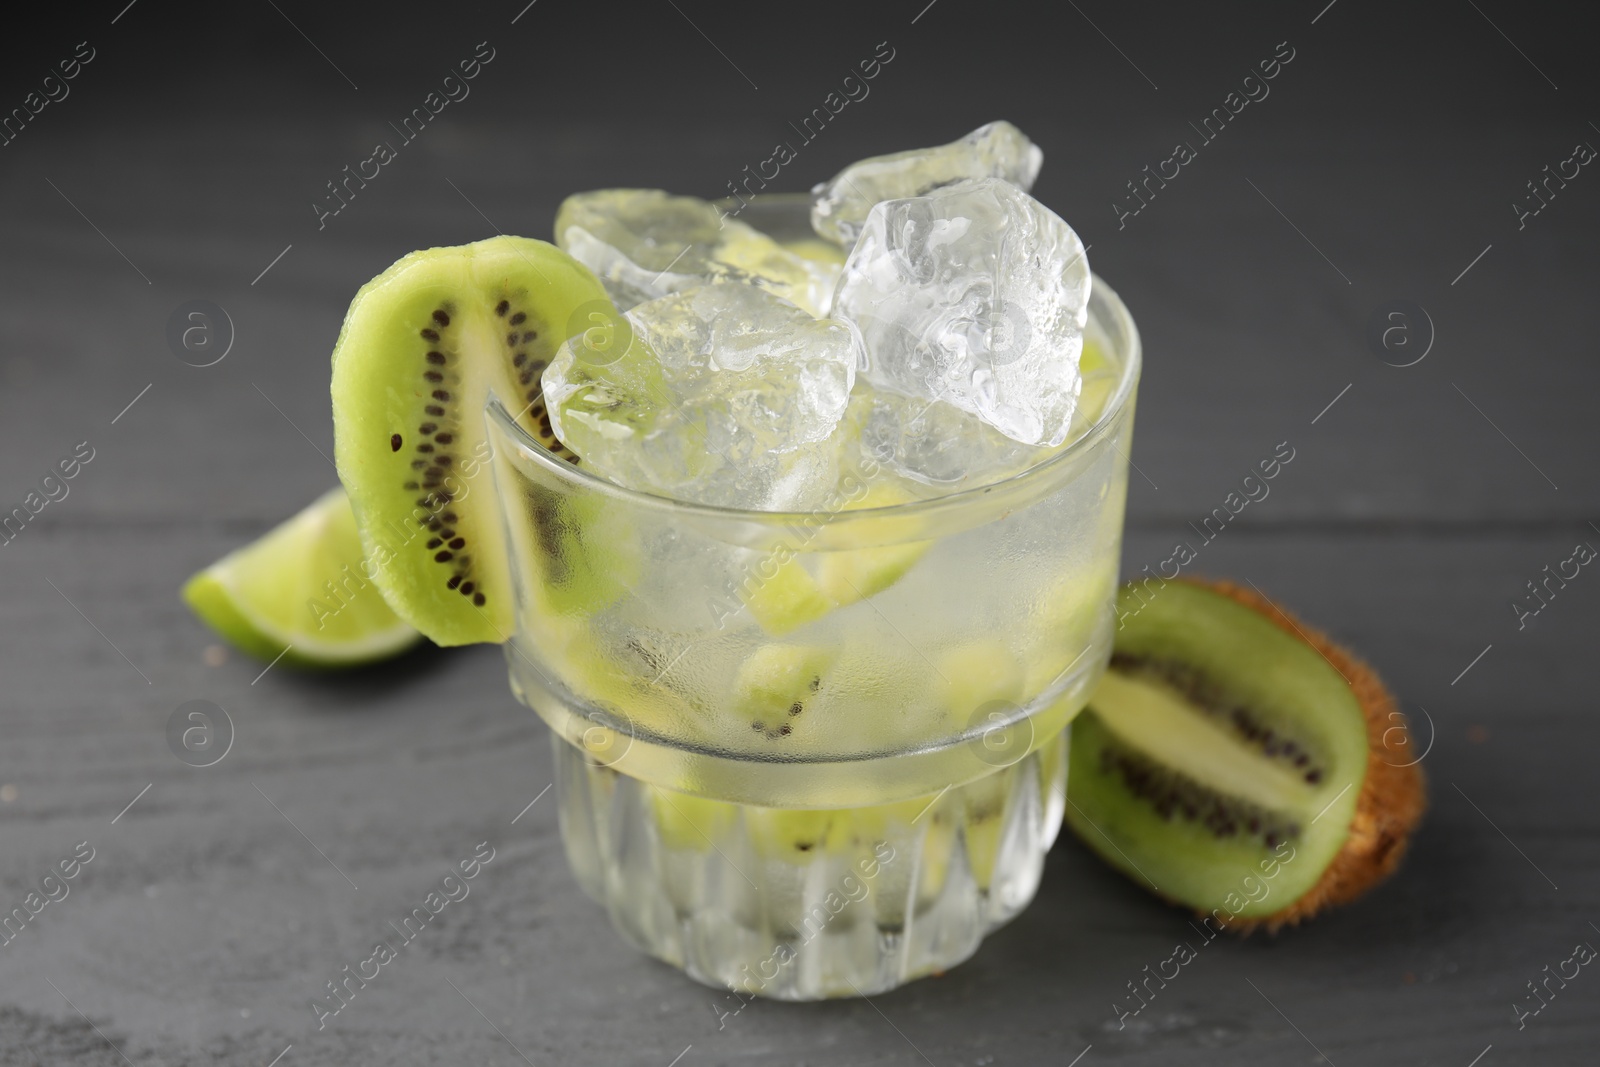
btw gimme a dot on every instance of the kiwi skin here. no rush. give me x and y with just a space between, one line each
1393 796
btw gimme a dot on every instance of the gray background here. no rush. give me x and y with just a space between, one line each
1383 163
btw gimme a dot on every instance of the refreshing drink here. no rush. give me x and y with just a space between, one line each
799 520
807 553
862 793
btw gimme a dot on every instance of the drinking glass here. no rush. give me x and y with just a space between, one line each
837 807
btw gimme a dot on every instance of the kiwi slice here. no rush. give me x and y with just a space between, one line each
423 346
854 574
690 822
790 835
858 573
783 595
581 552
777 685
1229 759
976 674
796 835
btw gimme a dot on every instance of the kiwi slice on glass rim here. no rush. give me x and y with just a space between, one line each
1234 760
423 346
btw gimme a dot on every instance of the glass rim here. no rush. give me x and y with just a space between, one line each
1043 473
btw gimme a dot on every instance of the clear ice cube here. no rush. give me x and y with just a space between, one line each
644 244
723 394
996 150
936 444
976 295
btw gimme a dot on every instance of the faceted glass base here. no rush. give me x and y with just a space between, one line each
805 905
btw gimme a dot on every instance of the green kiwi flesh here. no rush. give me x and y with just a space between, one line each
787 596
777 685
423 346
1220 760
584 553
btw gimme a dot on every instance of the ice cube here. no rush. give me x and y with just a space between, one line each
644 244
936 444
723 394
976 295
997 150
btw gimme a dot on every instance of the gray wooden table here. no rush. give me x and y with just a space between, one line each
1421 501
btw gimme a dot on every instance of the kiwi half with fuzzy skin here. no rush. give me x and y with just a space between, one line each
1232 759
423 346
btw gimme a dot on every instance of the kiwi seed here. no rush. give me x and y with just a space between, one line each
1205 696
1231 756
415 338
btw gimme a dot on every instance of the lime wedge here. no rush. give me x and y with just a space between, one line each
301 592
